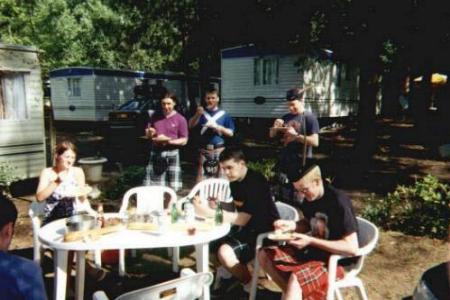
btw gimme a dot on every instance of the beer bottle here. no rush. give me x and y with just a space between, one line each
218 218
100 216
174 213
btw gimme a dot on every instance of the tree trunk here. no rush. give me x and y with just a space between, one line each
390 94
419 106
366 138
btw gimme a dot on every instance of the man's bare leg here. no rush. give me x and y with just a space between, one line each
279 277
228 259
293 291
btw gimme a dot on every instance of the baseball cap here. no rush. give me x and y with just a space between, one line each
295 174
294 94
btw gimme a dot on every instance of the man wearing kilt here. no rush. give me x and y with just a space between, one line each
168 132
329 227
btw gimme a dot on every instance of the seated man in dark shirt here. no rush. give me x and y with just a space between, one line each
299 268
20 278
255 213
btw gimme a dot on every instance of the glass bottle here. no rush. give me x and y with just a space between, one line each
174 213
218 217
100 216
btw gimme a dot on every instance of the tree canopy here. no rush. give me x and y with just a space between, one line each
385 39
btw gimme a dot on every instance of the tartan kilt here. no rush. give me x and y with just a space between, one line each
171 176
312 275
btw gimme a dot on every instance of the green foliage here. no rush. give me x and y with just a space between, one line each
131 177
140 35
7 176
421 209
265 167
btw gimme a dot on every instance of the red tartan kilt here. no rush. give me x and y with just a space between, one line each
311 275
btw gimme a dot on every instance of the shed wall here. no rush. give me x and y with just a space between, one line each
22 142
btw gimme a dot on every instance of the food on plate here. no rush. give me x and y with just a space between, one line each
82 191
112 222
161 138
279 235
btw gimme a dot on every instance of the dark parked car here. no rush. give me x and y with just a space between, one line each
126 130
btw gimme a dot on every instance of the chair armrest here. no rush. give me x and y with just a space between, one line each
99 295
332 269
259 240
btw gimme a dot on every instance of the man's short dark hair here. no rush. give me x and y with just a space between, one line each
235 153
8 211
212 90
294 94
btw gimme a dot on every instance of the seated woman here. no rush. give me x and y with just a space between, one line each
60 185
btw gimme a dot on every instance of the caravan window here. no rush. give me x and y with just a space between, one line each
73 85
13 101
265 71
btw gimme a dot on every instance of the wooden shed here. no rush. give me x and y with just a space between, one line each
22 132
255 81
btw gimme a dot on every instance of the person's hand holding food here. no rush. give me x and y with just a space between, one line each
284 225
290 135
150 132
301 241
278 123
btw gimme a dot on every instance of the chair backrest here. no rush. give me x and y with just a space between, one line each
367 237
149 198
184 288
286 211
212 187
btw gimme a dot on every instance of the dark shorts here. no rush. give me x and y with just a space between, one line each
242 243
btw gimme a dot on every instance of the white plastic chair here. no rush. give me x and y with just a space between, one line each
148 199
368 238
212 187
36 212
188 287
286 212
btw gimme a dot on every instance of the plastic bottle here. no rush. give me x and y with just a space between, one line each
189 213
218 217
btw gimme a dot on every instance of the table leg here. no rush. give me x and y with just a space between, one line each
202 261
60 270
79 283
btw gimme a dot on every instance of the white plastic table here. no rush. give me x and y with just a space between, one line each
52 235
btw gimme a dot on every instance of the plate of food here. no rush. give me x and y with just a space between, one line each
278 130
161 138
82 191
282 236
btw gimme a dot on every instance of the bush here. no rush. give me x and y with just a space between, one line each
265 167
131 177
421 209
7 176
